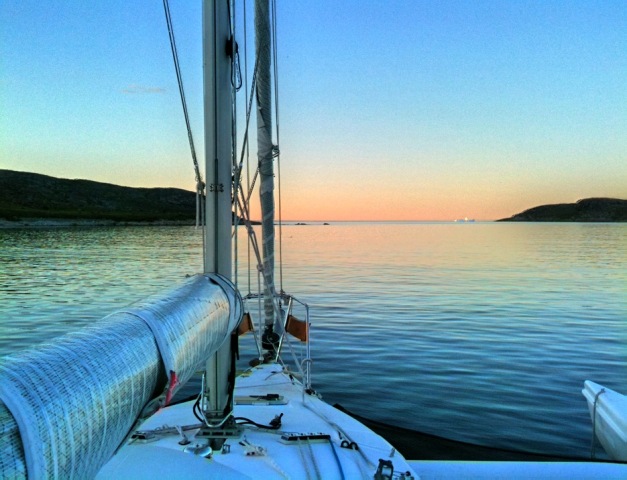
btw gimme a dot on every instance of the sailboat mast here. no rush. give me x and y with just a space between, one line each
265 151
217 111
218 93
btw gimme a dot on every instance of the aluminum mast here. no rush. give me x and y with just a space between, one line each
218 93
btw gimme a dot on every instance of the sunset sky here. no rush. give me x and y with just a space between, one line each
389 110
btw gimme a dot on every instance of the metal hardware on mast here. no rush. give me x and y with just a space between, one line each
217 254
265 157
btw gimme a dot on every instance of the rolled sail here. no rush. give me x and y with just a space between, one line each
75 399
190 323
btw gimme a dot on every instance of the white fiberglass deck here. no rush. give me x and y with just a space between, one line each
259 453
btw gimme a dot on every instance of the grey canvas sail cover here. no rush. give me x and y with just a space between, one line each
265 152
74 400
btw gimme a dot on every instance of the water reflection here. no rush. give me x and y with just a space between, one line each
480 332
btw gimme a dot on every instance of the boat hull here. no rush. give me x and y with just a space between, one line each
609 418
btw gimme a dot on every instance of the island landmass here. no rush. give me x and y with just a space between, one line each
585 210
32 199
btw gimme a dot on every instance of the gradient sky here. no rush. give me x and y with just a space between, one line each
389 110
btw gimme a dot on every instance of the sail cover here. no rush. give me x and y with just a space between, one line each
265 152
74 400
191 322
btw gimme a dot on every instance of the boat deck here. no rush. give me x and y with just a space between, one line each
315 440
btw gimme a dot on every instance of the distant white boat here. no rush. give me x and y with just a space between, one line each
608 411
464 220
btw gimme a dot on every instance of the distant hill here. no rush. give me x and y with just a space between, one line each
31 195
586 210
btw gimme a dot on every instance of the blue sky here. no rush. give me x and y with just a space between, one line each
414 110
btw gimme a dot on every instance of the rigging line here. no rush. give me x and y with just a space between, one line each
259 310
252 237
250 190
228 6
251 234
594 423
200 185
236 71
233 52
313 459
278 151
309 405
247 146
179 78
249 108
292 350
239 166
234 65
214 152
245 143
302 458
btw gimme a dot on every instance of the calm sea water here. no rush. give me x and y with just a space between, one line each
479 332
